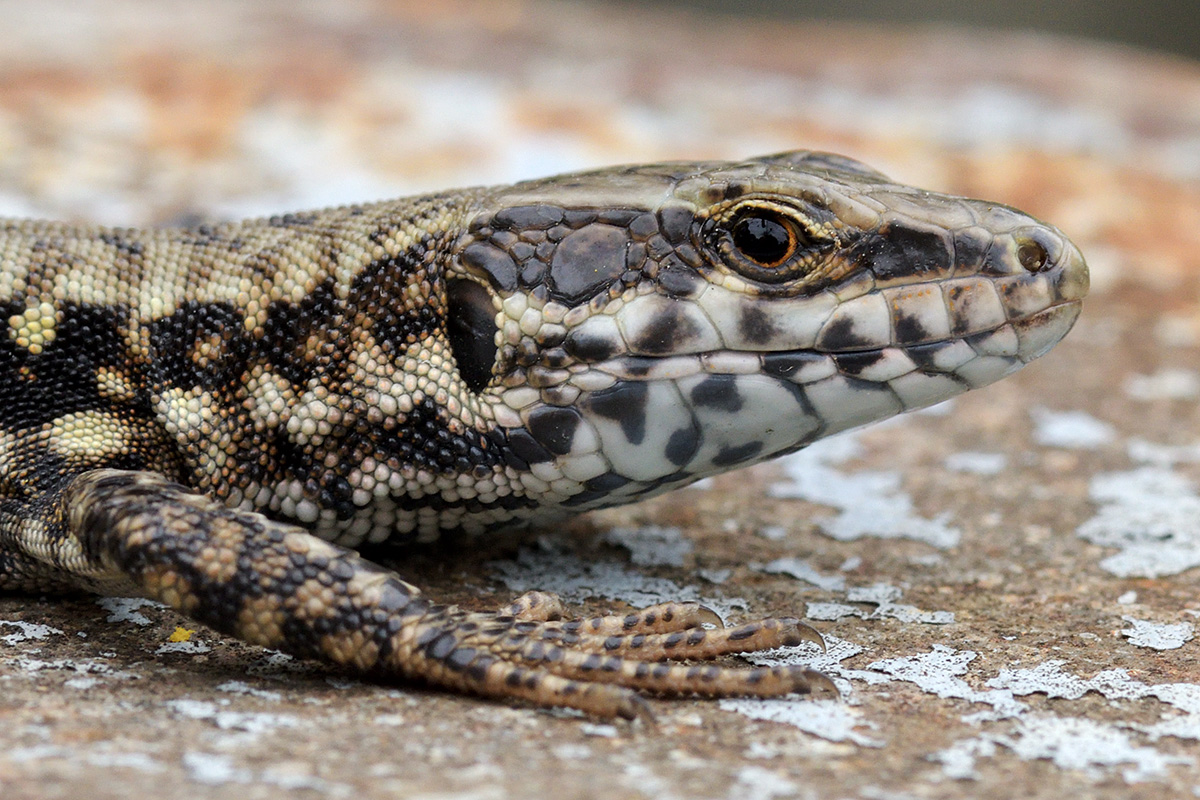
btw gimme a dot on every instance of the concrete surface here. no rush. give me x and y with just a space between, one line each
1007 583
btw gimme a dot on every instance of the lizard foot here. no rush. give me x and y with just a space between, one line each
276 585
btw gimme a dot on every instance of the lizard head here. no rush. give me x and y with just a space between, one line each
635 330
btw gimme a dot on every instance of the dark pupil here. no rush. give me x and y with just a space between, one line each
762 240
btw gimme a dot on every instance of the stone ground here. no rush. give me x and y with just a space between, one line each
1007 583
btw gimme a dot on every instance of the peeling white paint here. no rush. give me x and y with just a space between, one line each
757 783
869 503
652 546
190 647
1084 744
829 719
976 462
239 687
1163 455
938 672
26 631
1074 430
548 568
958 760
253 723
1166 384
801 570
125 609
1152 515
1157 635
881 595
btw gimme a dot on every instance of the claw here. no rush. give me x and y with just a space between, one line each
706 616
803 632
821 684
639 709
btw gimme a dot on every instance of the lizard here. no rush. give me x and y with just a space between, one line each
220 417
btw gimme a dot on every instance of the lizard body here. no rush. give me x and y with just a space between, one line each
219 416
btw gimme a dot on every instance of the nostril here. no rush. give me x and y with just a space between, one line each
1032 255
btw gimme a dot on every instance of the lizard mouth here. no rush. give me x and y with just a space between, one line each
1002 348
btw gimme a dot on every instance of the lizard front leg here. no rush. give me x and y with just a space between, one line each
275 585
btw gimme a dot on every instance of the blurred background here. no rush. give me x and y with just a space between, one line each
1172 25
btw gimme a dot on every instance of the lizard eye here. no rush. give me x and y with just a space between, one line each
765 238
767 245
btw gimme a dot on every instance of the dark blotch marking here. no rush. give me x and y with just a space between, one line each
840 335
679 280
675 223
498 265
554 428
625 403
293 220
786 365
923 355
536 217
909 328
899 251
525 447
133 249
737 454
971 247
460 658
662 336
855 363
441 646
175 339
289 327
755 326
588 260
426 441
744 632
586 347
607 482
61 379
682 446
719 392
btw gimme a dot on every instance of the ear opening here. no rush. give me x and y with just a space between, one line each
471 329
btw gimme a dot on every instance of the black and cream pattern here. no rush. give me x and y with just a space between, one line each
218 416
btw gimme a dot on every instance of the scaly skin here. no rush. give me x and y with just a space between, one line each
217 417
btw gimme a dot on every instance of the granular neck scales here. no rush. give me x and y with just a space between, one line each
183 409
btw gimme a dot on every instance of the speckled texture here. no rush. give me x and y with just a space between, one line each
1099 142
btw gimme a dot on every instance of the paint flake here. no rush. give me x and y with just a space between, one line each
125 609
1084 744
801 570
1152 515
829 719
26 631
652 546
938 672
1167 384
757 783
869 503
1157 635
976 463
1074 430
547 567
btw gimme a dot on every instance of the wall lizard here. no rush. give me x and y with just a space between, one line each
219 417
